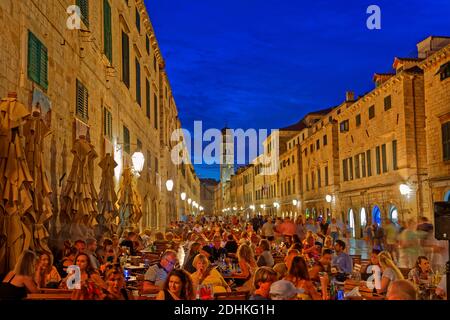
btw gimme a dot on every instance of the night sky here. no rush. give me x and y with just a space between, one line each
266 63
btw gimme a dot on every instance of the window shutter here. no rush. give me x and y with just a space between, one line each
43 71
147 97
138 82
82 98
84 8
33 57
107 26
125 59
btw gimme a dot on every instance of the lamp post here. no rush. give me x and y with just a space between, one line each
405 191
328 198
138 162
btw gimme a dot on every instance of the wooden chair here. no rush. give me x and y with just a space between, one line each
405 272
235 295
356 258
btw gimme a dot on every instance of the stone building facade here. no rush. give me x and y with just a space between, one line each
105 80
385 155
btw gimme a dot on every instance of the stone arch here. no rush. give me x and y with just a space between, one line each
351 221
447 196
376 215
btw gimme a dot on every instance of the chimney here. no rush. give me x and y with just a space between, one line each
349 96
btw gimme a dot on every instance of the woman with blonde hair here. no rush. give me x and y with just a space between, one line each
19 281
46 273
328 243
247 264
389 270
205 274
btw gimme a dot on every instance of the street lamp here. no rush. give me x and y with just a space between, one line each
169 185
262 206
189 200
404 189
328 198
295 202
183 196
252 207
138 162
201 208
276 205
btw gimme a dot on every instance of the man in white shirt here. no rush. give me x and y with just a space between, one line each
267 230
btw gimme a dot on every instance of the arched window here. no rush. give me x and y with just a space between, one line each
376 215
393 215
351 220
447 196
363 216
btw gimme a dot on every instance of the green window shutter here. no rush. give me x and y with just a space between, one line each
34 52
155 106
138 82
125 59
84 8
147 97
37 61
126 140
107 26
82 99
43 72
394 155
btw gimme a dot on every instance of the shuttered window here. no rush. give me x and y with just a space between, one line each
350 163
82 101
378 160
369 163
371 112
387 103
446 140
126 140
357 168
363 164
37 61
125 59
84 8
107 35
147 98
138 21
345 169
326 176
155 106
138 82
383 157
394 155
319 179
107 123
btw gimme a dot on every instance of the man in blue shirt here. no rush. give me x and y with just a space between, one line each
342 260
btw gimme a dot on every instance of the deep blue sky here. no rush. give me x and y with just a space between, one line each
266 63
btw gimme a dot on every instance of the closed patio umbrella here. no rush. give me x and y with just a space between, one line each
16 205
78 197
107 198
130 208
35 131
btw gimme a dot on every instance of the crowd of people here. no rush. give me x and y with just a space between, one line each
279 259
